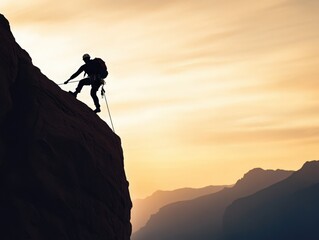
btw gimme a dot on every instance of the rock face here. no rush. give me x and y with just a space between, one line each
61 167
286 210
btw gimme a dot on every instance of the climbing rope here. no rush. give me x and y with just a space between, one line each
104 96
69 82
108 109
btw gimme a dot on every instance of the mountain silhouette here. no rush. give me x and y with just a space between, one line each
286 210
144 208
202 218
61 166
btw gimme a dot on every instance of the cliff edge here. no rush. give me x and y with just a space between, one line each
61 167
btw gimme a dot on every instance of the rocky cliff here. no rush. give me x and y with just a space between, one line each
61 167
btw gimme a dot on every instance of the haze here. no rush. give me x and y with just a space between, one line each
200 91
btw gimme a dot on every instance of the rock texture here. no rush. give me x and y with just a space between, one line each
61 166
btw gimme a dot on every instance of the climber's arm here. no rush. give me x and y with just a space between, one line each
77 73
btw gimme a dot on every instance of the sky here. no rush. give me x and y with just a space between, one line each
200 91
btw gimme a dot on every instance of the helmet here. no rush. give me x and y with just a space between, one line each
86 56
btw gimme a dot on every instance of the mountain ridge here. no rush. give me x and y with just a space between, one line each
285 209
144 208
202 218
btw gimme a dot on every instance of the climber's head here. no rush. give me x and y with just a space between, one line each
86 57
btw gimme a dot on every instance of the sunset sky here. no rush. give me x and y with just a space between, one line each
200 91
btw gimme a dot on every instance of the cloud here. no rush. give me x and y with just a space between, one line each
189 76
55 12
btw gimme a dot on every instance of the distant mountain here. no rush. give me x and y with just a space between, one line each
286 210
144 208
201 218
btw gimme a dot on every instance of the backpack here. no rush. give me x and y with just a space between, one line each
100 67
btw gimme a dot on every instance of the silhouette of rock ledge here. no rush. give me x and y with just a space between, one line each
61 167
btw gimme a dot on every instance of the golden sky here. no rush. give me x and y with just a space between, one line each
200 91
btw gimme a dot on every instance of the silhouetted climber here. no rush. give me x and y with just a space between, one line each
97 71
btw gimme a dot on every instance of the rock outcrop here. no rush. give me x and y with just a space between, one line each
61 167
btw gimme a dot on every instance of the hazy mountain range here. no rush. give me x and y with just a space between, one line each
286 210
144 208
264 204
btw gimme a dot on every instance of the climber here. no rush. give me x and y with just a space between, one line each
96 71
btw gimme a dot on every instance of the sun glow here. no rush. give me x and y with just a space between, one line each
194 87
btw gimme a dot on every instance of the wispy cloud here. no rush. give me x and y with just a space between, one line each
193 81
